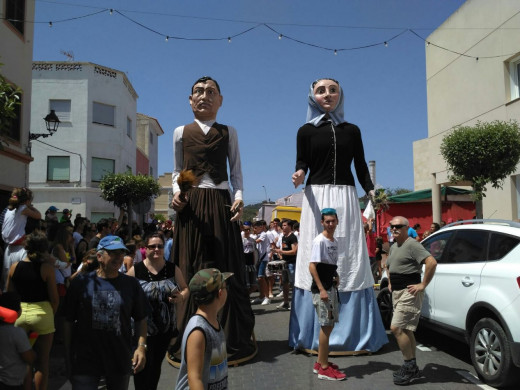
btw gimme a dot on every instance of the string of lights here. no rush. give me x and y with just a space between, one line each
181 16
428 43
279 34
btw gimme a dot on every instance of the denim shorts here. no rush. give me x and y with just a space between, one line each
288 274
261 269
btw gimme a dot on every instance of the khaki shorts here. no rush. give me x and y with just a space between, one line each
327 312
407 309
36 317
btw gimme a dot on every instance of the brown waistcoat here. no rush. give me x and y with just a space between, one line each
206 153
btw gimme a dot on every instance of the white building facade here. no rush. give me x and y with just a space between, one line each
97 135
16 48
462 90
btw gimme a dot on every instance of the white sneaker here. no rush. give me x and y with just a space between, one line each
279 295
256 301
266 301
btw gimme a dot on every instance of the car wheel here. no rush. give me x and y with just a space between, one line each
384 302
490 353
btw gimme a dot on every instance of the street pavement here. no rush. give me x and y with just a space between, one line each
444 363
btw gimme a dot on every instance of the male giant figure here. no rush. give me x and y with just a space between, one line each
404 264
206 232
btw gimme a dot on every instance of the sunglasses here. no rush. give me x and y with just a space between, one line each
396 226
156 246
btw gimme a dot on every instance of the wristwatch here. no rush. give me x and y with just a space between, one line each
143 345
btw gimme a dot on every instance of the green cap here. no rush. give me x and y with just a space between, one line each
205 282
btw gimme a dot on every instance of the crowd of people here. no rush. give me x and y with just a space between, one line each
118 295
50 268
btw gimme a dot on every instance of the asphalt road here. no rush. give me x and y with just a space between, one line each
445 363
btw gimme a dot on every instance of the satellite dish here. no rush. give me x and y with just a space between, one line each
142 207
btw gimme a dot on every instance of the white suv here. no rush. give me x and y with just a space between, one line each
475 294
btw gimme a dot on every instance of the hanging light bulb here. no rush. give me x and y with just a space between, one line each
50 24
335 52
476 58
280 36
427 43
386 44
111 11
167 37
229 39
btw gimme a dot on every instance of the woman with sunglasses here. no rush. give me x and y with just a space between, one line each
326 147
167 292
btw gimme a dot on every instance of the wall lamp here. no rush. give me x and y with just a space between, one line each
51 123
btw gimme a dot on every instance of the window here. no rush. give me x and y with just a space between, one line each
96 217
58 168
151 138
62 109
129 127
437 244
100 167
103 114
468 246
15 14
500 245
514 75
129 168
151 171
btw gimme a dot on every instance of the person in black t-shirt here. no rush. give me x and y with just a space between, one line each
288 253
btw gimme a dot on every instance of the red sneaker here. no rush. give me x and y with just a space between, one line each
317 366
331 374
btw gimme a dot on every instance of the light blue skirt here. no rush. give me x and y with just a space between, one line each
359 328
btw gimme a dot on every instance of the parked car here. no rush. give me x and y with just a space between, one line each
475 294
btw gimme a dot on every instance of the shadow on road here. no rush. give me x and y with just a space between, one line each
268 351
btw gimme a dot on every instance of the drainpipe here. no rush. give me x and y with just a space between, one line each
436 200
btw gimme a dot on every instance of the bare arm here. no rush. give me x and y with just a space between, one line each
314 272
183 293
31 212
429 271
60 252
129 264
10 285
28 356
195 349
291 252
139 359
131 272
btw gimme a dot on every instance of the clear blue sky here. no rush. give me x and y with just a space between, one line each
264 80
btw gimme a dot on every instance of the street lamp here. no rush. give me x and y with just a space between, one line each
265 191
51 123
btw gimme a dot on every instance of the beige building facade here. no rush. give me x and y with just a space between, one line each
163 201
16 49
480 84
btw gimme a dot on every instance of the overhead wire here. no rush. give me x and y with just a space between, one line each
279 34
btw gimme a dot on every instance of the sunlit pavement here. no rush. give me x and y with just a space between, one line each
444 363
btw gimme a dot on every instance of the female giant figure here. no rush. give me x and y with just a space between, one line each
326 147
